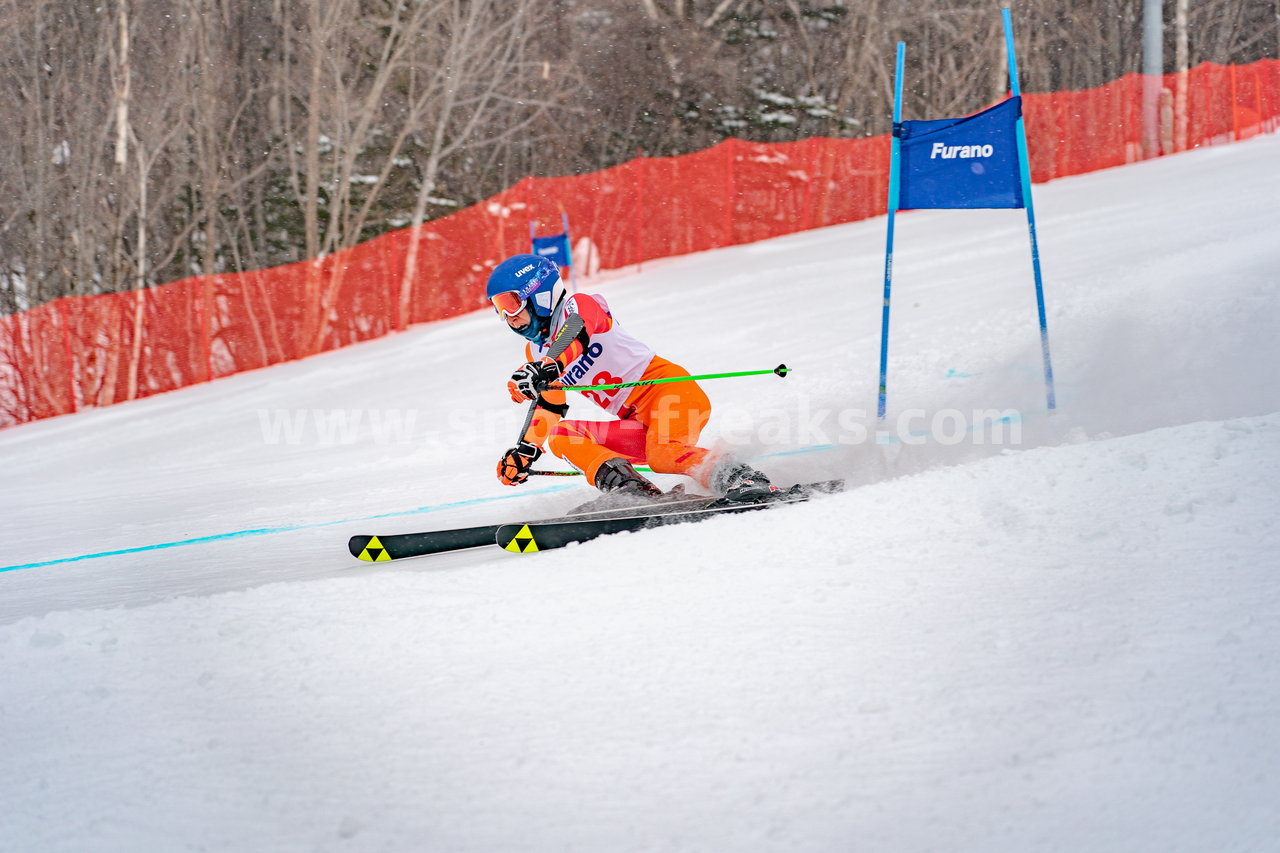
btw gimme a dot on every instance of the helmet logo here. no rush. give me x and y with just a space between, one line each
525 270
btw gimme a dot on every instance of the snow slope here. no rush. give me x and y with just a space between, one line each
1050 632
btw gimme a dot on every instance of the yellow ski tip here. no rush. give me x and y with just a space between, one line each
374 552
522 542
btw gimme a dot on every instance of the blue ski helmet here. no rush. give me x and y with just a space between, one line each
532 282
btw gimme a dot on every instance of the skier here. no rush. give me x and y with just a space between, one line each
658 425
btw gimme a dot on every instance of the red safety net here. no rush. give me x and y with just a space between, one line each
98 350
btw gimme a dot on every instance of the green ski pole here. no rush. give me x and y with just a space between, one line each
780 370
579 473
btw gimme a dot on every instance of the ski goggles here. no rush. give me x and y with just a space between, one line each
508 304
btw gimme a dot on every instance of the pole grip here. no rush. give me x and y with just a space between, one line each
570 330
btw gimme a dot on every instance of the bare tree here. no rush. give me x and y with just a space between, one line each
464 98
387 100
150 140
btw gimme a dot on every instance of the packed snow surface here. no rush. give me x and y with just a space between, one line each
1016 631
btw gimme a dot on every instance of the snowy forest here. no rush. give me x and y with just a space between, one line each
150 140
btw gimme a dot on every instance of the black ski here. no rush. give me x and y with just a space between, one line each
526 538
675 507
397 546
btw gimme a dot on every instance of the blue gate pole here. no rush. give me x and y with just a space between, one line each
568 251
888 246
1024 168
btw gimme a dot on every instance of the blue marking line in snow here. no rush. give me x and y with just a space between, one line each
264 531
815 448
882 437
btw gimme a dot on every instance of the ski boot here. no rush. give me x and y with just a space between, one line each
616 476
739 483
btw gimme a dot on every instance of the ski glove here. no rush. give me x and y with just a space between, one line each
514 467
532 379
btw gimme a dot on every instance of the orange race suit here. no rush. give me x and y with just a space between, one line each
658 425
